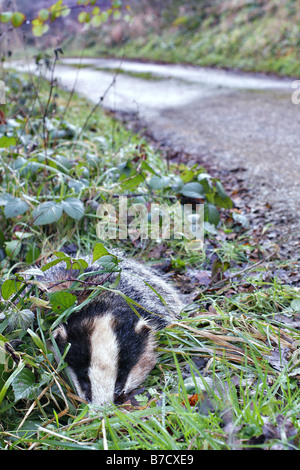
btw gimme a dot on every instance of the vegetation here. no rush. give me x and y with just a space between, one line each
260 36
228 371
228 374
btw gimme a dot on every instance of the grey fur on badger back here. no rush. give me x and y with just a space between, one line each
112 348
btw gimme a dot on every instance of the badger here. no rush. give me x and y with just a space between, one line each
112 345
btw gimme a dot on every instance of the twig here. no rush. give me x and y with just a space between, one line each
86 283
49 101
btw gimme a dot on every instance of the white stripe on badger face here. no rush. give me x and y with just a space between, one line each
75 381
104 360
145 363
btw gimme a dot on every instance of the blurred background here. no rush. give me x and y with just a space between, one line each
261 35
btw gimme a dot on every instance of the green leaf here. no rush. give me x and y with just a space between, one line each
37 340
12 248
10 287
24 384
203 176
5 16
20 318
99 251
65 11
224 202
84 17
61 301
80 264
71 263
15 207
220 190
2 238
241 219
193 190
159 182
4 198
295 305
109 262
32 254
97 21
56 10
39 29
47 213
208 189
17 19
6 142
73 207
211 214
133 182
221 198
10 379
62 255
43 14
117 15
50 264
187 175
145 166
104 15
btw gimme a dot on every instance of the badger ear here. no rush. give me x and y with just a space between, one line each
60 333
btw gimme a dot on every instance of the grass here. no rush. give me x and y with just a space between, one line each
142 75
222 407
228 372
251 36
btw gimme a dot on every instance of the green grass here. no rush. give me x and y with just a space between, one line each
251 36
228 372
142 75
222 407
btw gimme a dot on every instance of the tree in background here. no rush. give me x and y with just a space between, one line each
88 12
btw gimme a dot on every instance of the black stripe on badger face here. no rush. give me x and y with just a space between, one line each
136 354
78 357
110 354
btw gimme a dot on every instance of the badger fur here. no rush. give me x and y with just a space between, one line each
112 348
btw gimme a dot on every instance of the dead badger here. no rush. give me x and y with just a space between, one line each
112 349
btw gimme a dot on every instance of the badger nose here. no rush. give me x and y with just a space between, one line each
119 397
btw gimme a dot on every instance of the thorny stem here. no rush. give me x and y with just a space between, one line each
86 283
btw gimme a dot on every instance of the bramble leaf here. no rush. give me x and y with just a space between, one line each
47 213
17 19
73 207
61 301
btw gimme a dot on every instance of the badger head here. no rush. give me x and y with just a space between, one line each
109 355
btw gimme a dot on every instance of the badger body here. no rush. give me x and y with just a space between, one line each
112 347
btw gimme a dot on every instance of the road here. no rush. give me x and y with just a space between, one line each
239 122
